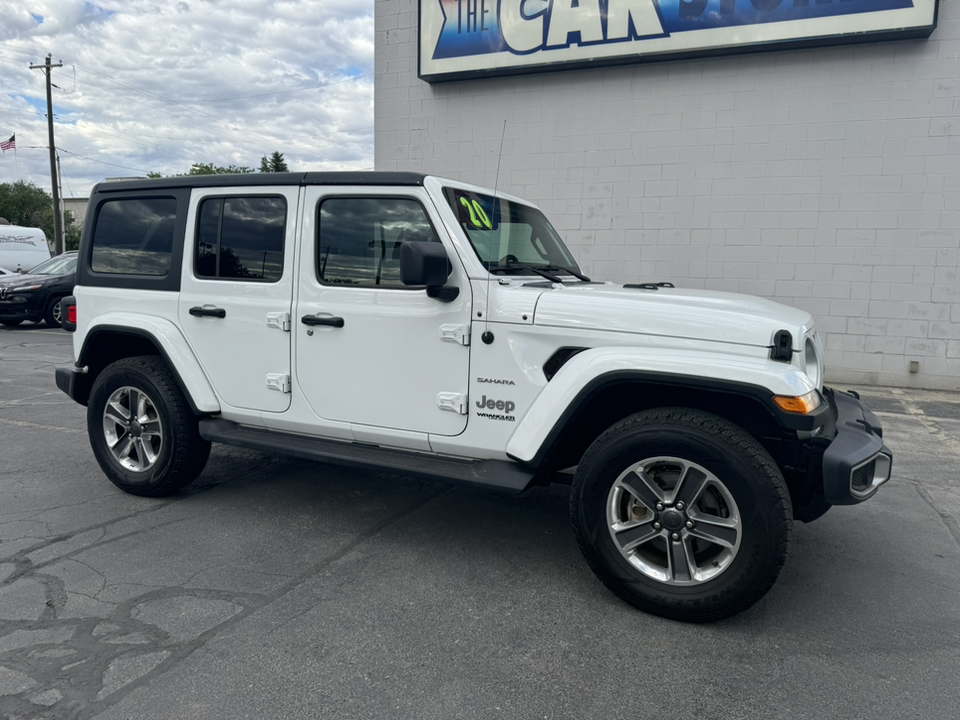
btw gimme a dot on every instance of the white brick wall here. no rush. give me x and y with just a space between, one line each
828 179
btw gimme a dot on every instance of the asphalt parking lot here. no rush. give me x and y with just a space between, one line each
277 588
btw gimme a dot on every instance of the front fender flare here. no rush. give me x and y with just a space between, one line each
172 346
589 371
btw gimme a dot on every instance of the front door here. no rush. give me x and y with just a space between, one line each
236 291
383 354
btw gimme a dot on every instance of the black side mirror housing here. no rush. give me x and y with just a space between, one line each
426 263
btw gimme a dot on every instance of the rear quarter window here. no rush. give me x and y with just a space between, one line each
134 236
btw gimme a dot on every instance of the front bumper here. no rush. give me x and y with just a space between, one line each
23 307
856 462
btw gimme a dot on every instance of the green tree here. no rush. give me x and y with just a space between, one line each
211 169
275 163
71 233
23 203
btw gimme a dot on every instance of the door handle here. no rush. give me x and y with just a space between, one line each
314 320
208 312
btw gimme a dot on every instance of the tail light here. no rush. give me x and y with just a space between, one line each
68 313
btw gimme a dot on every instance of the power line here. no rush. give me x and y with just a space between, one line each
187 101
101 131
281 92
175 101
267 143
180 117
104 162
180 138
185 105
229 135
264 142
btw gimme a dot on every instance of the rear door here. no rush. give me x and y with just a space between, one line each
236 291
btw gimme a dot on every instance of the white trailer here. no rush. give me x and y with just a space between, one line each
21 248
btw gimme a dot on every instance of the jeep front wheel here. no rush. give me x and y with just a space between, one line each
682 514
142 430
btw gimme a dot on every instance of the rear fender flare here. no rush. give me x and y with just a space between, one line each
170 343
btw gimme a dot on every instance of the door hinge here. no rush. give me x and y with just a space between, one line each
455 333
279 320
453 402
278 382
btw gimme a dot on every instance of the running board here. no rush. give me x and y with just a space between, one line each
499 475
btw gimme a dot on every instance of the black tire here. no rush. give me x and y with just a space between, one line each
51 314
697 561
162 451
10 323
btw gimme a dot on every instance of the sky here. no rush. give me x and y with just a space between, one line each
155 86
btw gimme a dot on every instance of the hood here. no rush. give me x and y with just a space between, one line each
13 277
12 281
671 312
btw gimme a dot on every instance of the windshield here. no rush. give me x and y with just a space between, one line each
508 236
60 265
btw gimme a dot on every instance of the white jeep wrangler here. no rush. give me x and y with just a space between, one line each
439 330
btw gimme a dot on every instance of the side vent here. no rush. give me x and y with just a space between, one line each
782 348
552 366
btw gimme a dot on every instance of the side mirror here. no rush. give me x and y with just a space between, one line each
426 263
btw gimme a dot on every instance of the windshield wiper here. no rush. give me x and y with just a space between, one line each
579 276
547 271
540 270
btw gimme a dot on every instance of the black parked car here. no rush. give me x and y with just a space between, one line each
36 296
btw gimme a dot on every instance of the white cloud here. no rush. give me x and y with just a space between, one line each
160 85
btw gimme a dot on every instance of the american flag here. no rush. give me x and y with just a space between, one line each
10 144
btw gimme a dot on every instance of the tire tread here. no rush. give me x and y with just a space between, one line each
740 443
183 434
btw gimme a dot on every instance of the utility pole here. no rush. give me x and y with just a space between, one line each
57 217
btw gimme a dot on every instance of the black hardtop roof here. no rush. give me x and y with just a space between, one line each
287 178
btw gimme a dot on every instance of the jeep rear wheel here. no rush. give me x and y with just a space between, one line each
142 430
682 514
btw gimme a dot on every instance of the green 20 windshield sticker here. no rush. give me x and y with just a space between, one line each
478 218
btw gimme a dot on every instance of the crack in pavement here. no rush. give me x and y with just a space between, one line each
944 439
23 423
19 401
14 518
21 555
950 522
79 667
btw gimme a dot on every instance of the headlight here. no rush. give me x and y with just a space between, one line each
24 288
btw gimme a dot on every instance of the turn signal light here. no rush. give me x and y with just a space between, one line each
72 314
803 404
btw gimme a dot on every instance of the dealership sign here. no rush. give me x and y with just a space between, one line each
464 38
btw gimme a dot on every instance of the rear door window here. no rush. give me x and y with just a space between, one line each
241 238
